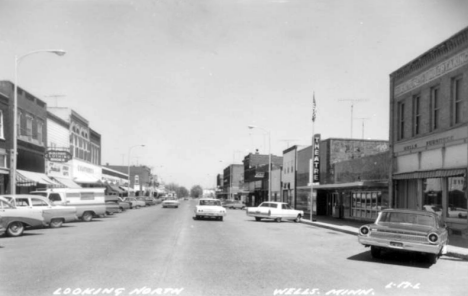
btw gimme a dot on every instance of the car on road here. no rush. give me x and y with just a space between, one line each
54 215
135 203
234 204
209 208
406 230
277 211
170 202
14 220
150 201
112 205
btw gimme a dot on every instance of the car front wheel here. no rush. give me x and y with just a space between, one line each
258 218
433 258
56 223
15 229
298 218
87 216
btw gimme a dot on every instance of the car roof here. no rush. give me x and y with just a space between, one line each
23 195
409 211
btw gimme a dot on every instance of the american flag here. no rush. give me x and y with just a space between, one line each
314 109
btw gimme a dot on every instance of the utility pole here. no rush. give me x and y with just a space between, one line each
363 119
288 140
353 101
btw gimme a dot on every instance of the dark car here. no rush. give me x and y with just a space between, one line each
112 205
406 230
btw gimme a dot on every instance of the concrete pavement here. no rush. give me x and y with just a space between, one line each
457 247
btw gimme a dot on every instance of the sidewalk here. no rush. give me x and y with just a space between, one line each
457 247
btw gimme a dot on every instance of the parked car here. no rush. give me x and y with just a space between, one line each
150 201
13 220
89 202
135 203
406 230
124 205
170 202
235 204
275 210
141 200
54 216
112 205
209 208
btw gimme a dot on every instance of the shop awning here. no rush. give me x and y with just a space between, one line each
67 182
87 180
127 189
359 184
27 178
114 188
430 174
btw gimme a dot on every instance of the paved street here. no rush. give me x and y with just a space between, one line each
156 251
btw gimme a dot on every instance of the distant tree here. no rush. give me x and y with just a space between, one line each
196 191
182 192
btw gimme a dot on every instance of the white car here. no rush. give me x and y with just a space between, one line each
209 208
54 215
275 210
170 202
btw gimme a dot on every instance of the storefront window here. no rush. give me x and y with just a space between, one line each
432 199
457 205
368 204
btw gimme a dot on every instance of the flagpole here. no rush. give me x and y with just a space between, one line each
312 161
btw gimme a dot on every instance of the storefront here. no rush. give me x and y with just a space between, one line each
86 174
61 173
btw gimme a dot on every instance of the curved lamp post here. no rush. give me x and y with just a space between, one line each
269 157
128 167
14 151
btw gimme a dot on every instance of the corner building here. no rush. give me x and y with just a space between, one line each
429 132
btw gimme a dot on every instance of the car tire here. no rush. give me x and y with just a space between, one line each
15 229
121 210
375 252
221 218
87 216
258 218
298 218
433 258
56 223
278 220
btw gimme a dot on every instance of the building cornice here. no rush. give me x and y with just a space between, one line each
451 44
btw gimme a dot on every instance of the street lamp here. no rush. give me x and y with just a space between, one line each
128 168
269 157
14 151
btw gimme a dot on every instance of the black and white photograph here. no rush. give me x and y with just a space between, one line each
233 147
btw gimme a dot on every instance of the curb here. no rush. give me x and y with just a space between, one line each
322 225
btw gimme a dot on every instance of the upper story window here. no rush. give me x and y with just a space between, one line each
2 133
435 108
29 124
40 138
416 115
401 120
457 100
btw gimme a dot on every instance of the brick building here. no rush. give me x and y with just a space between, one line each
329 197
256 176
429 132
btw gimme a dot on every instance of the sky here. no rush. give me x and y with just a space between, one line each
186 78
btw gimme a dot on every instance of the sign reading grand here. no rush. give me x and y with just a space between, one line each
58 155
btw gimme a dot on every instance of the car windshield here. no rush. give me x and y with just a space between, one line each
210 203
407 218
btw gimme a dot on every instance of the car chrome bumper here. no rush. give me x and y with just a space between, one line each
399 245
